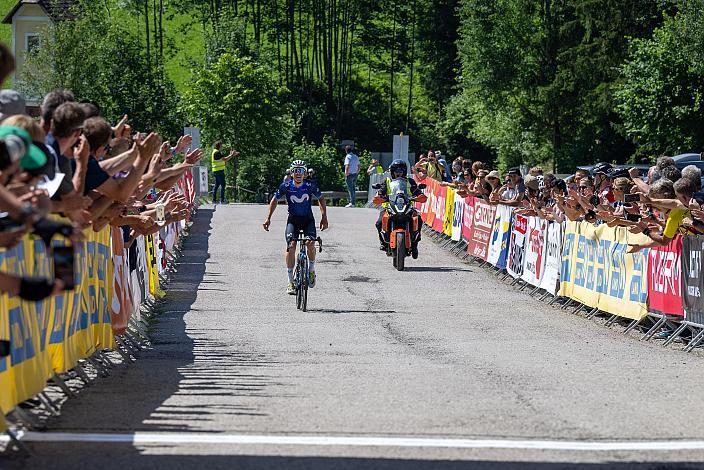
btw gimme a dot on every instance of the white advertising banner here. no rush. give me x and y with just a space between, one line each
534 265
457 217
550 280
517 247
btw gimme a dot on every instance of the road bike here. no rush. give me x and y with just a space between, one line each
301 277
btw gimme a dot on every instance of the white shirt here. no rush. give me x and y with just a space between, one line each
353 161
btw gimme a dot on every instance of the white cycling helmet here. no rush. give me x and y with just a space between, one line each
298 164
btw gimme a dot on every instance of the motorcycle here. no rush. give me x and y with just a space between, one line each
400 220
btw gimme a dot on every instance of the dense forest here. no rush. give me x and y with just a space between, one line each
551 82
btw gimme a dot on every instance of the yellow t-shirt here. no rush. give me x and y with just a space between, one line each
674 222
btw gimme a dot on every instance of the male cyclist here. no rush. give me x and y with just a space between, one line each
398 169
298 193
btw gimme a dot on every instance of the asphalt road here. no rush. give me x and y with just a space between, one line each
490 378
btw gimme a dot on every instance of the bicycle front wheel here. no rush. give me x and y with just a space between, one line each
299 286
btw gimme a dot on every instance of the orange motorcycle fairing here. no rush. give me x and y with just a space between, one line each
422 198
385 222
407 238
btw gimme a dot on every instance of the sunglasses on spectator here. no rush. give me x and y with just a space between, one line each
299 171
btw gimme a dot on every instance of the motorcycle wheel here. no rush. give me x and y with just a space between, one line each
400 258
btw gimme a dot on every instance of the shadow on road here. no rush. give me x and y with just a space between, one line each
436 269
344 312
170 386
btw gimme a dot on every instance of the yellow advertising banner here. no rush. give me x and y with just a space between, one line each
52 335
449 212
598 271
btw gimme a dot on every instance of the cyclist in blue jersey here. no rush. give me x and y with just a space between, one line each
299 193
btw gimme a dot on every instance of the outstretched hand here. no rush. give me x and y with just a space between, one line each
324 223
266 224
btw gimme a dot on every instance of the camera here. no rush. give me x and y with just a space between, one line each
633 217
594 200
631 198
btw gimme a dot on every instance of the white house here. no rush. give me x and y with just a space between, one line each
27 18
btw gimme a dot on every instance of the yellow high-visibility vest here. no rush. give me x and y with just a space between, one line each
217 165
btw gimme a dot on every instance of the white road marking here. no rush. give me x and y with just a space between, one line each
363 441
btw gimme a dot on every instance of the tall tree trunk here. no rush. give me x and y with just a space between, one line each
146 29
278 36
413 63
393 59
161 30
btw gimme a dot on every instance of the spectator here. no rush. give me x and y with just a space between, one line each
512 192
673 202
431 166
375 168
351 174
602 182
218 165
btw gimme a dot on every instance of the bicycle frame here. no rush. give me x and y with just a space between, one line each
302 276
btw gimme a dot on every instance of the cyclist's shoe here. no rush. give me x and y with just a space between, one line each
414 252
382 247
311 279
291 289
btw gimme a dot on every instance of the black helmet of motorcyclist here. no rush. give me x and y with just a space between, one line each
398 168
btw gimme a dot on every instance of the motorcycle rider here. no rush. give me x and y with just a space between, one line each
397 170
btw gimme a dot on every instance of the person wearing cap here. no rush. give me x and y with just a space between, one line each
11 104
602 181
21 154
511 193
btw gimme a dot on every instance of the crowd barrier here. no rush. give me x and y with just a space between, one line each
586 264
50 337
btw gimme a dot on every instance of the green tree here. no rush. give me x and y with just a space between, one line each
661 99
239 102
539 75
106 64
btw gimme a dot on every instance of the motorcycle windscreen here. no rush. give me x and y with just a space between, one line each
399 185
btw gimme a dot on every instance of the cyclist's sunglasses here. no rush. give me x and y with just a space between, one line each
299 171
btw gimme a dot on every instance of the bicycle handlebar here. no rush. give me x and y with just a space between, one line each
318 240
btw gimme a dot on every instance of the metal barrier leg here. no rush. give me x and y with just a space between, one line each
19 445
675 334
63 386
612 319
106 359
554 299
592 313
83 375
632 325
567 304
124 351
48 404
30 421
649 334
99 368
695 341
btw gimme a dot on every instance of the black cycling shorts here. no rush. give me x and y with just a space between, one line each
296 223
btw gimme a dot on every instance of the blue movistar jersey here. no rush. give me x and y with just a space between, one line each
299 198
